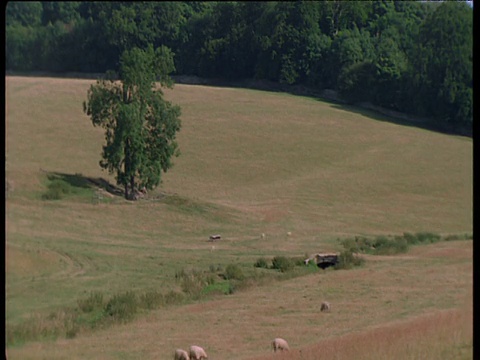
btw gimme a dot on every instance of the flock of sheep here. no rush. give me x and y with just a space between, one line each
198 353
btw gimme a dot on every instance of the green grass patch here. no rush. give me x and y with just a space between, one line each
218 288
188 206
60 186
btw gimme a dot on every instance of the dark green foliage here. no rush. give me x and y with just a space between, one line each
442 65
24 13
356 81
60 11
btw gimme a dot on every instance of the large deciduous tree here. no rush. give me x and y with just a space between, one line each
140 125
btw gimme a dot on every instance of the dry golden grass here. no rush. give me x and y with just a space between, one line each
252 162
444 334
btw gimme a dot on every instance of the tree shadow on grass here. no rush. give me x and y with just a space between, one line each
84 182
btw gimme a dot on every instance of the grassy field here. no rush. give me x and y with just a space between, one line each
251 162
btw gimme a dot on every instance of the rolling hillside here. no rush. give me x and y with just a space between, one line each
251 162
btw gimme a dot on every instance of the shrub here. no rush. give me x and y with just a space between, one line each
347 260
458 237
233 272
390 247
410 238
261 263
429 237
282 263
359 244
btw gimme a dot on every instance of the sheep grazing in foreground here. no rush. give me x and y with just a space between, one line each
197 353
181 355
280 344
325 306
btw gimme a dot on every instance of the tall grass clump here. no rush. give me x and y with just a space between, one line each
92 302
61 323
151 300
261 263
122 307
283 263
194 281
386 246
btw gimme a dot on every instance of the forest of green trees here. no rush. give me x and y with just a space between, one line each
410 56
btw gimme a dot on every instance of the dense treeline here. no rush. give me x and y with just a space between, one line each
409 56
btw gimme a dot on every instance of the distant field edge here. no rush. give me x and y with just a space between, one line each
327 95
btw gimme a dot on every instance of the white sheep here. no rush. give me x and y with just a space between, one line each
197 353
181 355
280 344
325 306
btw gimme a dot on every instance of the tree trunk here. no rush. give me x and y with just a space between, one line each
132 187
